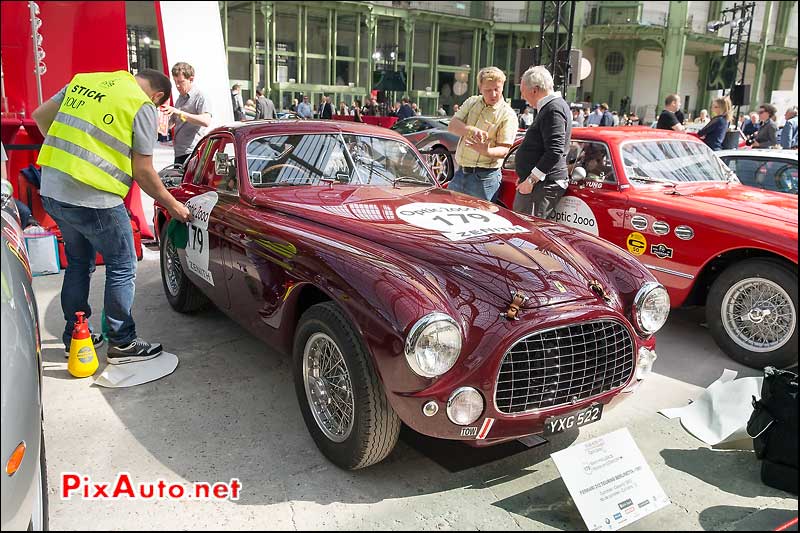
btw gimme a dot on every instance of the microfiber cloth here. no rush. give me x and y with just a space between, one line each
178 233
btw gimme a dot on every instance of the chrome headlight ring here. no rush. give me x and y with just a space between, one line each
422 330
646 298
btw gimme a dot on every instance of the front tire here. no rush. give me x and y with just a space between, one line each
341 397
181 293
752 313
40 515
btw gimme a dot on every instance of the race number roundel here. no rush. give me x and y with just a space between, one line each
456 222
197 247
574 212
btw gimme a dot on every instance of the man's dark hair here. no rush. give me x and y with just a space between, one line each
183 68
405 100
158 82
670 99
259 92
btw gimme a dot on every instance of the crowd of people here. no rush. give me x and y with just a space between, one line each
759 127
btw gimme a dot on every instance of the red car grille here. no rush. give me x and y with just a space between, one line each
564 365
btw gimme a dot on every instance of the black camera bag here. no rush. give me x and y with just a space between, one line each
773 428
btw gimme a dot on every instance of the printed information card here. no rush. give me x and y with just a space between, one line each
610 481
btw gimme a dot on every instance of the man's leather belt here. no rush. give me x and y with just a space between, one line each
472 170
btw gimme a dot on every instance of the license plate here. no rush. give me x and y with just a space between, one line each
575 419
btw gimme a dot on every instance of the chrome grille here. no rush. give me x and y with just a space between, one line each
558 366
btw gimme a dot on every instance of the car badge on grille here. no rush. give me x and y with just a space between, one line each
517 299
574 400
599 290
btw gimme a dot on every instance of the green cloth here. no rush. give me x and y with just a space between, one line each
178 233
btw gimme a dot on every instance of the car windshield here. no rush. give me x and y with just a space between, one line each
672 161
289 160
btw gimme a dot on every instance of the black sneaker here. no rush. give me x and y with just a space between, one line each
97 340
138 350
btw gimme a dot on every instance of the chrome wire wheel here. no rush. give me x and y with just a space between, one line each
329 389
440 164
758 314
172 268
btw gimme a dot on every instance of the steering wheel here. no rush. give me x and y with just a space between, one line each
279 167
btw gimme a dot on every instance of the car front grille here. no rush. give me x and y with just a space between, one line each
564 365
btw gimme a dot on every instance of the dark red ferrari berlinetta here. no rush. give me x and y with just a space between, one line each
398 300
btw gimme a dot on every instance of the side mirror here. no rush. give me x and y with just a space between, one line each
578 174
224 165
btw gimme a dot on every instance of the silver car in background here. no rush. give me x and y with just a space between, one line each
430 136
24 476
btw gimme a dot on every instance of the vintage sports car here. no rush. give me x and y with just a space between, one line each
24 476
430 136
773 170
667 199
398 300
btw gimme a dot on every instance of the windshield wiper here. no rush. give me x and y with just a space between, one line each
411 179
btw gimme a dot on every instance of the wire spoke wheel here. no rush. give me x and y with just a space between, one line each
758 314
328 386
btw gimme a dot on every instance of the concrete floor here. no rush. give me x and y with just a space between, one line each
229 411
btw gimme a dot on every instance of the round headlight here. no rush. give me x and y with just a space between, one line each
464 406
433 345
650 308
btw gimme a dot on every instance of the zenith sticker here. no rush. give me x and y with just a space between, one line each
661 251
485 428
456 222
471 431
636 243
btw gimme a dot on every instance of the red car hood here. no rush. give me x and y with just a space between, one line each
742 199
546 271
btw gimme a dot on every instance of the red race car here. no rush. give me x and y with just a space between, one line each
399 300
667 199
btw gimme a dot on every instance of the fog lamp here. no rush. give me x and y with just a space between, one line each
464 406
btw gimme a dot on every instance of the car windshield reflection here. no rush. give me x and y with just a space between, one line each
291 160
672 161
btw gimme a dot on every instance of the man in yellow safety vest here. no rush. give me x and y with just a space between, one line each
100 131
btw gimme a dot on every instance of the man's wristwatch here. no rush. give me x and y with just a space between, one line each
183 116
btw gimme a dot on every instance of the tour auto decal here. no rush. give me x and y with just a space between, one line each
456 222
574 212
661 250
197 245
637 243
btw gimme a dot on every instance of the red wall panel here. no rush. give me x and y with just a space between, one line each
76 37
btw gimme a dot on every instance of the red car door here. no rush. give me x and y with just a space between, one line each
595 204
202 257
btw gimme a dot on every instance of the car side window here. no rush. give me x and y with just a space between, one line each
595 158
409 126
193 162
746 170
228 184
205 167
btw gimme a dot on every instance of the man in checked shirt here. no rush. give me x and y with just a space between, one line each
487 126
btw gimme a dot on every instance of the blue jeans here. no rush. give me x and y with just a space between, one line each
86 230
480 183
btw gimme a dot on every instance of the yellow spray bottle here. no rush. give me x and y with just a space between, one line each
82 357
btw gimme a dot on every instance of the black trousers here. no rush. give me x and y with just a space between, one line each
542 200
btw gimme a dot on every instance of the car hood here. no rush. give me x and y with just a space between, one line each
738 199
545 270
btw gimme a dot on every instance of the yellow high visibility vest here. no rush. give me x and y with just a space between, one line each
92 134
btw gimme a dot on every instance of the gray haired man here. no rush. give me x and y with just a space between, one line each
541 160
